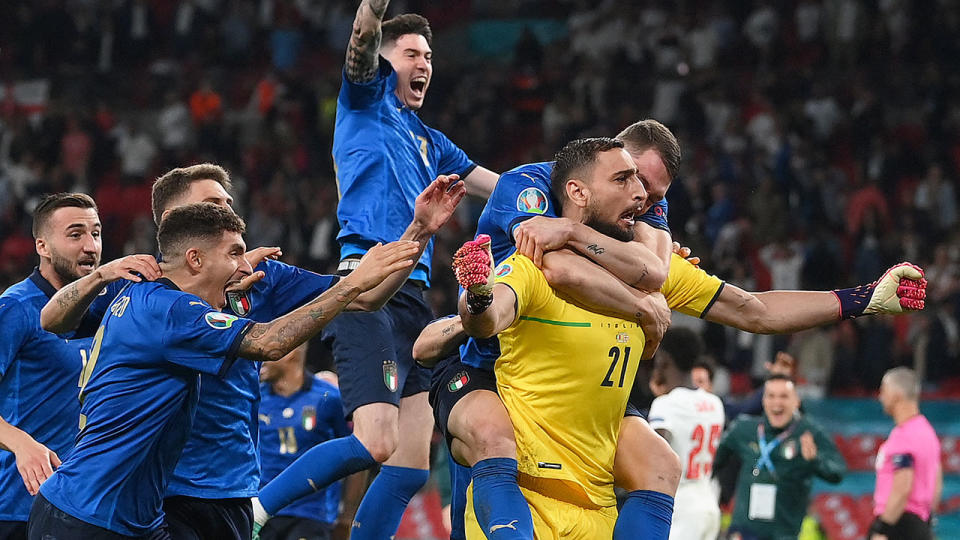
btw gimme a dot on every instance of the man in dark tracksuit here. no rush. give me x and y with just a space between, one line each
781 452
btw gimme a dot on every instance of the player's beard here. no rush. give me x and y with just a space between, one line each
593 220
66 269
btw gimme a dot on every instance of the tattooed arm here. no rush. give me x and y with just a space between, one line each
438 340
273 340
363 52
642 264
65 309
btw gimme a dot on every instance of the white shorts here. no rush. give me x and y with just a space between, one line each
696 514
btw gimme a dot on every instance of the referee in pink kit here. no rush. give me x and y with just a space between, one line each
909 477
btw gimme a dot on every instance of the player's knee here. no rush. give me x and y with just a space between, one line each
381 447
492 437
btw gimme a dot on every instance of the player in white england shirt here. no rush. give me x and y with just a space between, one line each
691 420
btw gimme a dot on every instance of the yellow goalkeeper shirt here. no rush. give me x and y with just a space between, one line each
565 375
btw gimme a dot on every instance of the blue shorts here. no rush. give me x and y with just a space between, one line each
450 382
47 522
373 351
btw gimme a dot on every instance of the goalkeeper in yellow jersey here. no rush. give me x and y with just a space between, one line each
564 373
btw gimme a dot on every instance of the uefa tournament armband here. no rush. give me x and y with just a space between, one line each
900 289
473 266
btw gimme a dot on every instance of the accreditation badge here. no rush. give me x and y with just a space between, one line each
763 502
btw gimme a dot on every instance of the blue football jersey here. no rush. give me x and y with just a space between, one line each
289 426
219 460
38 382
384 157
522 193
138 392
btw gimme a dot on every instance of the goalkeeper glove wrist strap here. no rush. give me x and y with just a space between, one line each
478 303
854 300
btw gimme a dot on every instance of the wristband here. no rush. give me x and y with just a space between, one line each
478 303
854 301
880 526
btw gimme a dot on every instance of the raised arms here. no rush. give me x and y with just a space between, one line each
363 52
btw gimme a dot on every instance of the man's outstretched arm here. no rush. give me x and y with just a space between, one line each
901 289
273 340
438 340
363 52
65 309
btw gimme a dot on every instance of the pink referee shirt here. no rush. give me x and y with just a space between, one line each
916 438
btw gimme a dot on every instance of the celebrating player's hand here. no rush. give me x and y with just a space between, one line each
900 289
808 448
35 462
685 252
437 202
255 257
382 260
473 266
128 267
540 234
654 319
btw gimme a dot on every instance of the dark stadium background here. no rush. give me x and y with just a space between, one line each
821 144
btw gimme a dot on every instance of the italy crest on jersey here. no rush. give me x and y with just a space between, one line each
309 417
390 379
239 302
789 449
532 201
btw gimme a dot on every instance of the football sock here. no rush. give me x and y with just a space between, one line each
501 509
316 469
646 514
382 507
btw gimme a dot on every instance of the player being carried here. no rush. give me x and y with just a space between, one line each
481 427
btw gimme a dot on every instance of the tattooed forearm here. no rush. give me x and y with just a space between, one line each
273 340
643 275
595 249
363 52
68 296
449 330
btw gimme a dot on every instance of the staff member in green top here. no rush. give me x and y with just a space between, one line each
781 452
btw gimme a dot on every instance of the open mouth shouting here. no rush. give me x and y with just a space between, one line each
418 86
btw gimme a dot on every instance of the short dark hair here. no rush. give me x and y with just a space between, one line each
684 346
51 203
176 182
407 23
649 133
199 221
705 365
573 157
779 377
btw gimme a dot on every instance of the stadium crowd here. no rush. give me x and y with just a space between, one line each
821 140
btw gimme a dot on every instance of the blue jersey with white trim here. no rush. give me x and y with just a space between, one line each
219 460
38 381
291 425
139 392
384 157
520 194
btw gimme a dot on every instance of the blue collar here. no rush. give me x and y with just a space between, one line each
42 283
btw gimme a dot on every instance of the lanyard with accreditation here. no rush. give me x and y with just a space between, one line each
764 461
763 496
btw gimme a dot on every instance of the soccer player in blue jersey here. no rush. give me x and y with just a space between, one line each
209 493
38 370
299 411
140 386
384 155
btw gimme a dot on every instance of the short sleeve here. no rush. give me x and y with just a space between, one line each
519 196
656 216
16 328
198 337
287 287
527 281
453 160
901 461
359 96
688 289
659 416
